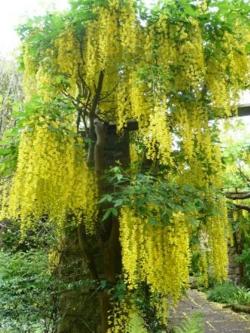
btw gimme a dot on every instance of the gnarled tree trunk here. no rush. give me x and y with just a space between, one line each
85 309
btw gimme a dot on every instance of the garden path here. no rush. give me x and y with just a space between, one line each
217 318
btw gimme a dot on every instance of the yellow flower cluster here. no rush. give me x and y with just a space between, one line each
103 46
91 55
218 237
217 86
186 127
123 104
156 254
129 27
132 102
118 318
126 318
52 180
4 197
204 168
203 269
44 80
212 249
133 153
157 137
29 81
38 79
141 104
225 91
69 58
189 57
162 305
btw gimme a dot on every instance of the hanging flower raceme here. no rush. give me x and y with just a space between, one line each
157 137
156 254
126 318
52 180
218 232
128 31
69 59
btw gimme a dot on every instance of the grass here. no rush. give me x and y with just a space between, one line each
229 293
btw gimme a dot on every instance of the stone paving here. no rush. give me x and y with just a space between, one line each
217 318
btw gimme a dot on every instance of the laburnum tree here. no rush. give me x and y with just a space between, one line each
110 83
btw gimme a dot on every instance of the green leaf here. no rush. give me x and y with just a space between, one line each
109 212
106 198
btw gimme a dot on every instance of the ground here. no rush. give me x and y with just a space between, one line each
217 318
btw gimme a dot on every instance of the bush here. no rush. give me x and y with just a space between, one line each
11 239
27 293
244 259
229 293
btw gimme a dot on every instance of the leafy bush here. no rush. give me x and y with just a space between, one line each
27 293
11 239
193 324
229 293
244 259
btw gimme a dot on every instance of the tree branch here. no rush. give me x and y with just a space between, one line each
243 175
238 195
242 207
92 117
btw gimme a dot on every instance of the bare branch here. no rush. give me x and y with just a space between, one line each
93 116
109 93
243 175
238 195
242 207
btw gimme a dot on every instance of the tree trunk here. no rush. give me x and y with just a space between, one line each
85 309
110 148
78 303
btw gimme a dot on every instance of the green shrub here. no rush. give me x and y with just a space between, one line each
27 293
11 239
244 259
229 293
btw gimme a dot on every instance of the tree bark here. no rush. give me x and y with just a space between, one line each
85 309
78 303
110 148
